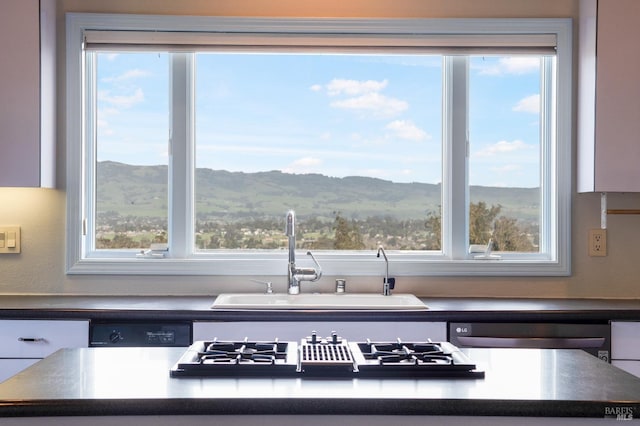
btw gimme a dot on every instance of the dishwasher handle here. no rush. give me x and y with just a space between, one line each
532 342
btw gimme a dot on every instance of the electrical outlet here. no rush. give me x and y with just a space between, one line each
598 242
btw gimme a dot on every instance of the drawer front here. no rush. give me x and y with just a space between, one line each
39 338
294 331
625 340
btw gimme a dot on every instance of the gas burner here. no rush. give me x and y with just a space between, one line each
406 353
237 359
332 357
417 359
242 352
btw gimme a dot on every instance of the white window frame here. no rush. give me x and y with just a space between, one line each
554 256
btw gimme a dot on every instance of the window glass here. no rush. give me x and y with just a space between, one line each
131 125
505 152
352 143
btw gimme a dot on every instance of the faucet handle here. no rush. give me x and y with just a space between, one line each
318 267
390 281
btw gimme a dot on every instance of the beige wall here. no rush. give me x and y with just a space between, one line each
41 213
334 8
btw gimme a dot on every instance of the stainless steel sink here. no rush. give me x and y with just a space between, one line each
319 301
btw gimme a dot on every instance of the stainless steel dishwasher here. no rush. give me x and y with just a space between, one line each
592 338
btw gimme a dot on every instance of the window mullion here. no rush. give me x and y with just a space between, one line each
455 184
89 162
181 157
548 202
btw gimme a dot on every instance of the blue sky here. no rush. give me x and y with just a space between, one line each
339 115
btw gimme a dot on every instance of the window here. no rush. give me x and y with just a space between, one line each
433 138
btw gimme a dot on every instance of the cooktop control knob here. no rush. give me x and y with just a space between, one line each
115 336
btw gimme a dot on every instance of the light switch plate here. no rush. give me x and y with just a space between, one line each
9 239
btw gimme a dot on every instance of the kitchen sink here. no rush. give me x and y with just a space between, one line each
319 301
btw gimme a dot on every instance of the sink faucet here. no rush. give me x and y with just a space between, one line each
389 283
294 273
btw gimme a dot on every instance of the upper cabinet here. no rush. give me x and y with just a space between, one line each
27 93
609 96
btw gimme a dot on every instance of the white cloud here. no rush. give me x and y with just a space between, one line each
508 168
502 147
303 165
104 128
127 75
406 129
362 96
514 65
121 100
354 87
107 112
529 104
375 103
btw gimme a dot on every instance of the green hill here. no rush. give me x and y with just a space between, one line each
142 191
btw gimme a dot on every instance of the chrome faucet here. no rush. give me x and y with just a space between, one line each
389 283
295 274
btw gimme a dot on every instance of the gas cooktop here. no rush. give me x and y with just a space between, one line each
330 357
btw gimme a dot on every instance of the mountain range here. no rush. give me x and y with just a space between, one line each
142 191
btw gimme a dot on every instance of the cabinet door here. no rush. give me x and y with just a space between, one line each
39 338
294 331
625 340
618 96
609 151
27 147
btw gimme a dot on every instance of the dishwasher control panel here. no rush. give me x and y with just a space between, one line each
139 334
592 338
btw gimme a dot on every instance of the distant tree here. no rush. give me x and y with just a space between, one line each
214 242
485 225
481 220
123 241
232 238
434 225
322 243
507 236
347 235
160 237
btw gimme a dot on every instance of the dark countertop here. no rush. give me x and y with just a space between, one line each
198 308
136 381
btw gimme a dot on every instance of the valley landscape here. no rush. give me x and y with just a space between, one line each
246 210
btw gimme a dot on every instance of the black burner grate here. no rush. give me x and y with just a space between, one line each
245 352
411 353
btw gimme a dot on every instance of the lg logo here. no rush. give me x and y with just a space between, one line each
460 330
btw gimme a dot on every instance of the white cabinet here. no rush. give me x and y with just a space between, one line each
609 96
625 346
27 89
294 331
24 342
